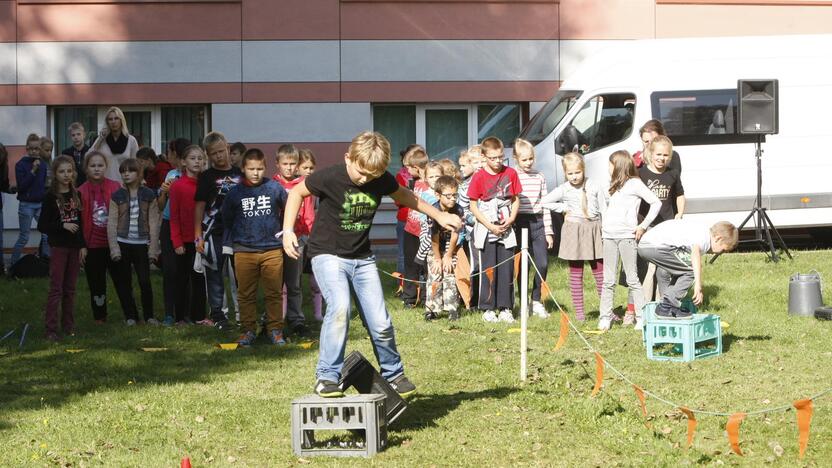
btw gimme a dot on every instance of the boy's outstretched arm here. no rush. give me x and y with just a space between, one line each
290 214
405 197
696 263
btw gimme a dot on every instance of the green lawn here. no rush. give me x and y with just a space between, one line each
114 405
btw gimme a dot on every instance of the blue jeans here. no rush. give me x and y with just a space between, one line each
400 239
337 277
26 212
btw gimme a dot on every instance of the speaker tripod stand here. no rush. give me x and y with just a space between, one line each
763 227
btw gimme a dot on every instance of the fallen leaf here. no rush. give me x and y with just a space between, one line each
726 382
766 401
140 407
304 461
153 350
498 359
666 430
200 419
776 448
231 459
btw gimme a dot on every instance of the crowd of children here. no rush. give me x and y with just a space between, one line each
209 213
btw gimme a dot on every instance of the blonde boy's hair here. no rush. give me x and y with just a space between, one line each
288 151
522 145
212 139
370 151
76 126
464 157
415 156
491 143
728 232
435 165
449 168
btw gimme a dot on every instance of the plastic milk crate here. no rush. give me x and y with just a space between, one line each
362 415
681 340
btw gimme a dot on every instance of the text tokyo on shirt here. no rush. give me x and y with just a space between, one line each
345 211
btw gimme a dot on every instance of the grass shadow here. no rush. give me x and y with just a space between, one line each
423 411
729 338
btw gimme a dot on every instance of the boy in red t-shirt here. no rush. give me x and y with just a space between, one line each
188 285
495 204
411 293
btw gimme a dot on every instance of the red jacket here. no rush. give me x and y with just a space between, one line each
306 214
86 189
154 178
182 203
403 178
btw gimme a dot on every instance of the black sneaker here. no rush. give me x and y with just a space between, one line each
301 330
403 386
430 316
328 389
453 316
223 325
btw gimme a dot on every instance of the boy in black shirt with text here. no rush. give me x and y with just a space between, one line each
349 195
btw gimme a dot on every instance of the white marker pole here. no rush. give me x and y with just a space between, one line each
524 298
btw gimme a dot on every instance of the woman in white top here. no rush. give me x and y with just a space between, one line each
115 142
621 230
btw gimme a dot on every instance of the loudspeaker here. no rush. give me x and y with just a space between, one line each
758 111
360 374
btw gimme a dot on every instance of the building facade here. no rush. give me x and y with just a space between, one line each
444 74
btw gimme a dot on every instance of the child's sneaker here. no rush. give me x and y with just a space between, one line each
629 319
505 316
169 321
604 324
639 326
223 325
453 315
246 339
489 316
539 310
276 338
403 386
206 322
152 321
430 316
328 389
130 323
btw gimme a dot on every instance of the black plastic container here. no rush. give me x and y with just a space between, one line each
361 375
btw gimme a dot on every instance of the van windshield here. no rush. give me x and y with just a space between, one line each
549 116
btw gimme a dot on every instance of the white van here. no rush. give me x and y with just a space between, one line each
690 86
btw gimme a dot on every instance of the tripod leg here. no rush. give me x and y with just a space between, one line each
777 234
766 226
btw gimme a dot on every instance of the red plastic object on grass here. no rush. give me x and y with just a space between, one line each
186 463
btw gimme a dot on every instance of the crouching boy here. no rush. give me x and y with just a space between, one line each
252 214
676 247
349 195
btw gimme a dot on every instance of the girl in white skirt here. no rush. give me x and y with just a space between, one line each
582 202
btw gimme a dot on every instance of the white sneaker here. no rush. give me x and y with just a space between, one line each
506 316
604 324
490 316
639 324
539 310
131 323
153 321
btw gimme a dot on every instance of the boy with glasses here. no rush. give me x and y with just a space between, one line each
442 294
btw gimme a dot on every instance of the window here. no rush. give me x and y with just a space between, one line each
152 126
701 117
604 120
444 129
547 118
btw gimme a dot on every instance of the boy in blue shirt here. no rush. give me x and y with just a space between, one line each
252 214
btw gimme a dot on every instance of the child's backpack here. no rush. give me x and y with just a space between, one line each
29 266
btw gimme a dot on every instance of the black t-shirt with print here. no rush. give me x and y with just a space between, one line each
666 186
345 211
211 188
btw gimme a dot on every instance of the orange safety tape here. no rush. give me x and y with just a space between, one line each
691 424
564 330
733 429
804 419
599 373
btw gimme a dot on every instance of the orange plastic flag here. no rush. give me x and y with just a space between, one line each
418 294
733 428
516 266
399 277
545 291
691 424
433 286
489 273
599 374
804 419
396 274
640 395
564 330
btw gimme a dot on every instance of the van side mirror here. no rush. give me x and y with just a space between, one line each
568 139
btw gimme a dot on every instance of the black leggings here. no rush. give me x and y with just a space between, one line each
169 270
134 256
97 265
189 287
